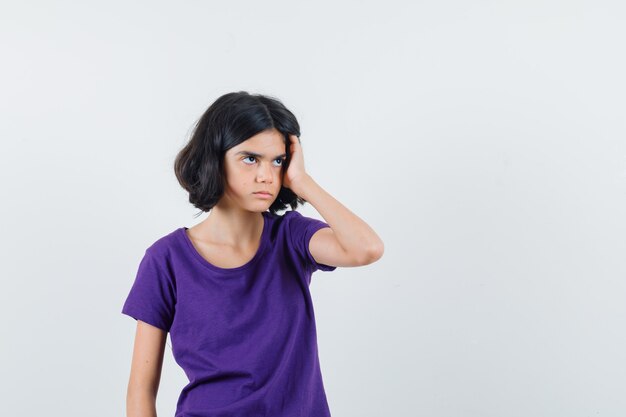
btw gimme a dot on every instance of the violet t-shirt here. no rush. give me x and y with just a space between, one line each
244 336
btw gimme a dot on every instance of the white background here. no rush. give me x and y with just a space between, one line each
484 141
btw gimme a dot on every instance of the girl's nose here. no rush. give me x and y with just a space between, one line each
265 173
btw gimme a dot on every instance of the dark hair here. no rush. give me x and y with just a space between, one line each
230 120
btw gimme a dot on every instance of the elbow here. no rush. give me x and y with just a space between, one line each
140 402
375 252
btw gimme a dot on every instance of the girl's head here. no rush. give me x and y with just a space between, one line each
216 162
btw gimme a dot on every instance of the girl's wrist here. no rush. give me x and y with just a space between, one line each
301 184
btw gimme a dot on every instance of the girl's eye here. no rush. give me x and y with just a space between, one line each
282 160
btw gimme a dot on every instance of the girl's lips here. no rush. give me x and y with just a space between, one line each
263 195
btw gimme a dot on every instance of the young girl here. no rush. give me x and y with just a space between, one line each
233 290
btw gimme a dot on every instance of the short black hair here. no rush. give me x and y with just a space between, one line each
230 120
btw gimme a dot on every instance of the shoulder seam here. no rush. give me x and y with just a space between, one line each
169 276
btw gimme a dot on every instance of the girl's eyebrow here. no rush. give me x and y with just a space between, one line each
258 154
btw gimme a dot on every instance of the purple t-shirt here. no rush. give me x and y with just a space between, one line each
244 336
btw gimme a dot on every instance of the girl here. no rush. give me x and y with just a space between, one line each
233 290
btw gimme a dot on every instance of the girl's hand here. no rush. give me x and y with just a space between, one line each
295 172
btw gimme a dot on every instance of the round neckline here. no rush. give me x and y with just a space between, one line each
209 265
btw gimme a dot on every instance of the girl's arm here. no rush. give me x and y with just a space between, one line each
349 241
145 372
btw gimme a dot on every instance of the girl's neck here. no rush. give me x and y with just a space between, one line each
232 228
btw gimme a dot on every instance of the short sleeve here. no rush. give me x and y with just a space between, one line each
302 229
152 297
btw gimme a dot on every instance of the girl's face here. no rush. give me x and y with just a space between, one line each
252 166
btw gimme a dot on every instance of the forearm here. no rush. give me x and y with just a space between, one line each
140 403
353 234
